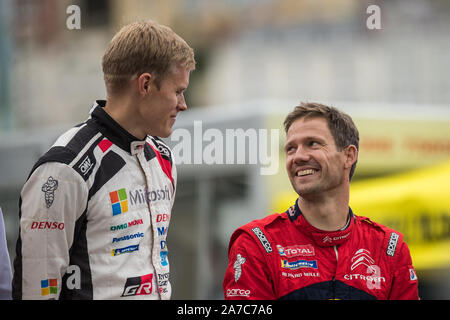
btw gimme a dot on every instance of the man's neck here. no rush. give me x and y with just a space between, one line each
122 111
325 213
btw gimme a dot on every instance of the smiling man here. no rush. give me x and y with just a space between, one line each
96 207
318 248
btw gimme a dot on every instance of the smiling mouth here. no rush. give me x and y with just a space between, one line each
306 172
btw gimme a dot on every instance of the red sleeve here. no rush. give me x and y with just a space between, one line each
405 282
247 276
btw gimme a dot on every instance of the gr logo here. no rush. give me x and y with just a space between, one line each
138 286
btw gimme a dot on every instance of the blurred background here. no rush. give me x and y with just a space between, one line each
256 60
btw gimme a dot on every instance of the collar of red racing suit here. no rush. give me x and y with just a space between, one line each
320 237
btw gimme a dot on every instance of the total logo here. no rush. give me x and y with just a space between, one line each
296 250
362 259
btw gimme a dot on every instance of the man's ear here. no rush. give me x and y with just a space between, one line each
351 155
144 82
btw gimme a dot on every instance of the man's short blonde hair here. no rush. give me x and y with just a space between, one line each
144 47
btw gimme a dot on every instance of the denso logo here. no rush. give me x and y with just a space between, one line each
296 250
238 293
51 225
163 217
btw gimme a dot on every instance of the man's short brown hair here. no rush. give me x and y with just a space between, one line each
144 47
340 124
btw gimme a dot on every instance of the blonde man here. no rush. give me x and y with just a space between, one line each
96 207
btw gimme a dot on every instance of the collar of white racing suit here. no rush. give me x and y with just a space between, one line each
320 237
114 131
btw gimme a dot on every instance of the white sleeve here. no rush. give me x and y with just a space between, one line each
52 200
174 179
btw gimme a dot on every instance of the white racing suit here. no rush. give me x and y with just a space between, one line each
94 215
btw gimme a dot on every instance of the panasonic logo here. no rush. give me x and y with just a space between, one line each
129 237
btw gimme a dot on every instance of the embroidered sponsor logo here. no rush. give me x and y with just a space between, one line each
296 250
392 245
144 196
237 266
332 239
119 251
262 238
51 225
163 255
86 165
163 217
362 259
162 231
129 237
126 225
299 275
163 279
293 265
238 293
119 201
49 286
412 275
49 191
137 286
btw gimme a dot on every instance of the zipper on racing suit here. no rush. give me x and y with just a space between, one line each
334 277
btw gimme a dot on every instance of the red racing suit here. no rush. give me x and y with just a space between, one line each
283 257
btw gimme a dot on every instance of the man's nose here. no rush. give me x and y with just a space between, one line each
182 103
301 155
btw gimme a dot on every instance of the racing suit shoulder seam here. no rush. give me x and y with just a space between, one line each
392 241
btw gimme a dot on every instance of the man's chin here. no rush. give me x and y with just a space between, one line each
163 133
305 190
166 134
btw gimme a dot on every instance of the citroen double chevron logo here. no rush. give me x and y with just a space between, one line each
362 257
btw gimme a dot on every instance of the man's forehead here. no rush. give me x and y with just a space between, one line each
309 126
179 76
